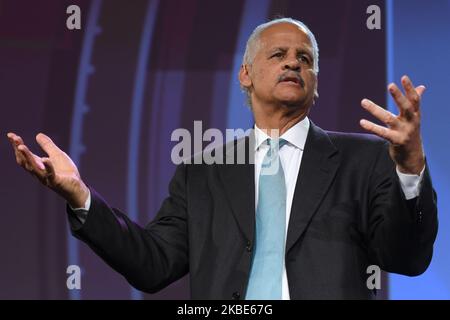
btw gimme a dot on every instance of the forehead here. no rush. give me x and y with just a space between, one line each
286 35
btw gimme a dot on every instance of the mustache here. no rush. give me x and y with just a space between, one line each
292 75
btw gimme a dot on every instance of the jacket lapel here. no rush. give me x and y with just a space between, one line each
239 183
318 168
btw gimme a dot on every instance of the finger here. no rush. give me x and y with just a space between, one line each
30 161
15 142
20 158
410 91
39 162
15 139
380 131
50 170
11 135
47 144
378 112
420 90
401 101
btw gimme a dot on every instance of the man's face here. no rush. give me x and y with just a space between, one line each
283 68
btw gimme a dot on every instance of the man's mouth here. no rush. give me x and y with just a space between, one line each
292 79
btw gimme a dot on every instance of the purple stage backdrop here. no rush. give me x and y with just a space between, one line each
111 94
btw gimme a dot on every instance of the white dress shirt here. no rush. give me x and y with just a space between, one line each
291 157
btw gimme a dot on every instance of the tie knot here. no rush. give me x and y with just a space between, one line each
276 143
274 146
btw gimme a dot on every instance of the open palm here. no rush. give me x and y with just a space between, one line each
56 171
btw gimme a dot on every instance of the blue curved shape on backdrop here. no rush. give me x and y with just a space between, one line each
80 108
136 115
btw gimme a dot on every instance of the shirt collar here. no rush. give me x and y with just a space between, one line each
295 136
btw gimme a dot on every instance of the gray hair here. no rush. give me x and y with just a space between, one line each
253 44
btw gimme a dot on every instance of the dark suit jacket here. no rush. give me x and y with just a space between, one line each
348 212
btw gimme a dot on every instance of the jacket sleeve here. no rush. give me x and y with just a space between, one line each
149 258
401 232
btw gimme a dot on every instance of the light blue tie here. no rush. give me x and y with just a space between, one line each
268 255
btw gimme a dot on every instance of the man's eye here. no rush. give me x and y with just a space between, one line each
277 55
304 59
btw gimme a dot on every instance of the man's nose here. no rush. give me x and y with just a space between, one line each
292 64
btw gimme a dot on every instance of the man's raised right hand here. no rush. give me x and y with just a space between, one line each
56 171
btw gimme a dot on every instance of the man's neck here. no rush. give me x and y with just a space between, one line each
278 118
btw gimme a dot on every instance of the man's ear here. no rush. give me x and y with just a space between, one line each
244 76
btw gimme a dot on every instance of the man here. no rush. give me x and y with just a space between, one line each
335 204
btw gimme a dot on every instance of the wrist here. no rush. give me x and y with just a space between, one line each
78 198
412 166
409 158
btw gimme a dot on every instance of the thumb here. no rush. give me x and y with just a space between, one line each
47 144
420 90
